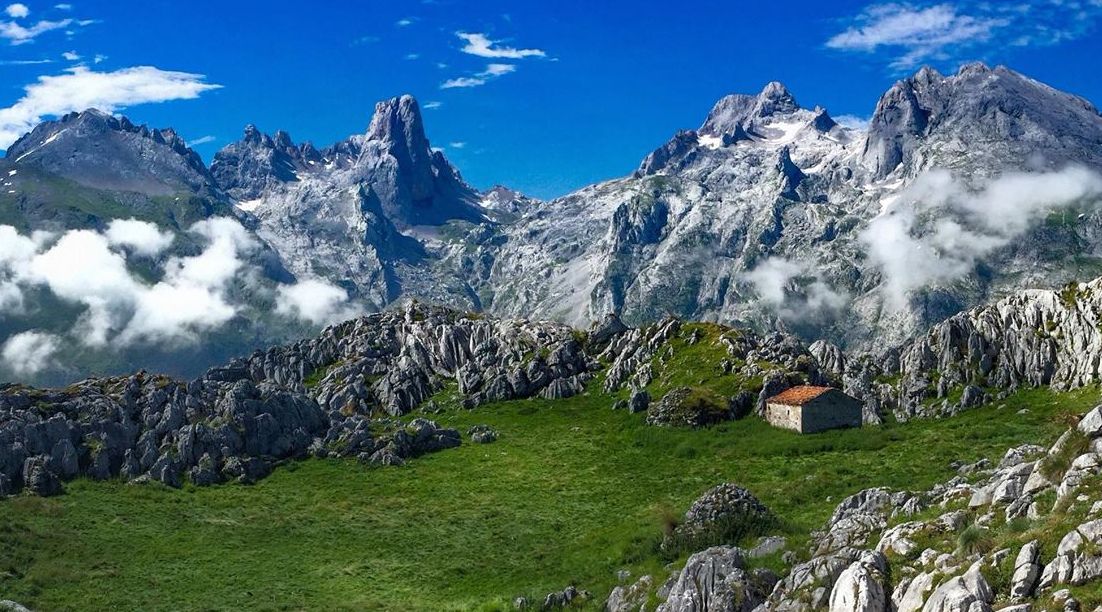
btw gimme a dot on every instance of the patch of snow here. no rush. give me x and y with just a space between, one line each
13 172
250 205
788 130
709 142
52 138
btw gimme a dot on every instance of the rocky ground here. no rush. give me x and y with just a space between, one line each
1023 534
344 393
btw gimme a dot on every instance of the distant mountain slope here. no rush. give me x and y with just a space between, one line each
771 213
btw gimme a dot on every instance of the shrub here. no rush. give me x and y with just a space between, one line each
974 539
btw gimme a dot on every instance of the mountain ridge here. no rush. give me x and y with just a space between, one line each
762 216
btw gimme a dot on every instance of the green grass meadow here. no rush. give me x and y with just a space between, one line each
570 493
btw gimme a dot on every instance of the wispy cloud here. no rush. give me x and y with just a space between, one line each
908 34
481 45
457 144
81 88
413 56
405 22
201 141
432 105
71 56
25 62
366 40
63 7
491 72
17 34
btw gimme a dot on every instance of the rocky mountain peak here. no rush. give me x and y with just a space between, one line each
741 111
775 98
978 105
244 169
252 135
398 122
103 151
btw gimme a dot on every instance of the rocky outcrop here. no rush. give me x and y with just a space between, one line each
863 586
722 515
717 580
1033 338
318 397
967 593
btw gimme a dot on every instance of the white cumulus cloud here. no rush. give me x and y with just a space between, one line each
142 237
316 301
907 34
29 352
81 88
17 11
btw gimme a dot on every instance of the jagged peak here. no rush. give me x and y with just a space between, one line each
776 97
95 121
973 68
398 120
741 109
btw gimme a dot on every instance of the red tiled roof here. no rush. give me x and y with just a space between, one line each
798 396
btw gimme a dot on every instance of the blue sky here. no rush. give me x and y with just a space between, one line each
544 97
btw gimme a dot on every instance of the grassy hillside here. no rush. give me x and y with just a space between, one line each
571 493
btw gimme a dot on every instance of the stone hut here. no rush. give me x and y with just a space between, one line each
808 409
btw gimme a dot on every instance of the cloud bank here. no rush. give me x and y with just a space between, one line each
120 309
940 227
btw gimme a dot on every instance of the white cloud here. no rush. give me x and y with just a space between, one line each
853 122
457 144
481 45
81 268
25 62
17 11
17 34
71 56
316 301
432 105
63 7
29 352
940 227
201 141
775 282
81 88
413 56
491 72
193 295
907 34
86 267
401 23
141 237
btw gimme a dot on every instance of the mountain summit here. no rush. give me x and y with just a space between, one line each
101 151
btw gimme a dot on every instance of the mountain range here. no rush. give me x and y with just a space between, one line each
961 189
